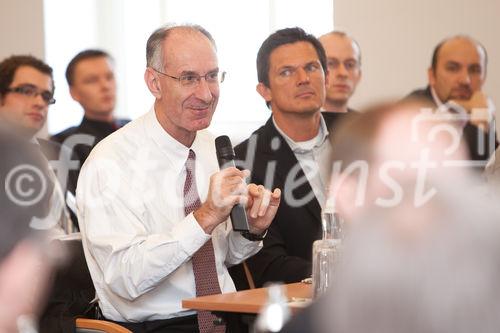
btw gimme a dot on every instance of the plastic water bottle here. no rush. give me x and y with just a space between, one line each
326 250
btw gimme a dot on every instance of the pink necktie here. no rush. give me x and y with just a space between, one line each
205 274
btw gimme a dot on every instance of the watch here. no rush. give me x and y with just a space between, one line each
253 237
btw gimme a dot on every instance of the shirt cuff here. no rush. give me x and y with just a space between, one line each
190 234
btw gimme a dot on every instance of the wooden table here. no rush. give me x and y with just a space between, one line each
248 301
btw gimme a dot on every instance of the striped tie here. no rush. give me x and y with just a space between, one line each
205 274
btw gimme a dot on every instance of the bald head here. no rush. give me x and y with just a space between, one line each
344 61
453 40
458 68
155 43
334 39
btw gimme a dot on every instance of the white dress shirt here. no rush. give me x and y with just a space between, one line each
315 158
137 241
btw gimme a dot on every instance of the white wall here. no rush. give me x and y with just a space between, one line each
397 38
21 26
22 31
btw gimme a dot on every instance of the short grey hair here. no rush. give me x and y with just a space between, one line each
154 45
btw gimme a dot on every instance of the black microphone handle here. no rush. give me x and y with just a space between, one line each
238 214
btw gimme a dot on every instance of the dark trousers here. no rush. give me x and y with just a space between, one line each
175 325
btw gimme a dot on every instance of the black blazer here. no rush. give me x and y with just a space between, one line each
97 129
287 252
471 133
334 119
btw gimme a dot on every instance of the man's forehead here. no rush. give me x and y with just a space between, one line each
288 55
31 75
90 64
185 46
461 50
338 46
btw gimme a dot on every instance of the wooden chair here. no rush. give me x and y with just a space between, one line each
248 275
98 326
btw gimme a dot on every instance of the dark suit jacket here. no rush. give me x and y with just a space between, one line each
471 134
97 129
51 150
287 252
334 119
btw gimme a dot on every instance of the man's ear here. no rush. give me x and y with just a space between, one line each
360 75
153 83
431 77
327 77
74 94
264 91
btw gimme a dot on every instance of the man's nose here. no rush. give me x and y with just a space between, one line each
106 83
203 91
39 101
464 77
302 76
341 70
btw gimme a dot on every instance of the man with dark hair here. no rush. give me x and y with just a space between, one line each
422 247
26 91
456 77
153 205
291 152
92 83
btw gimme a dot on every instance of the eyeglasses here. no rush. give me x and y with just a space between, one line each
32 91
193 79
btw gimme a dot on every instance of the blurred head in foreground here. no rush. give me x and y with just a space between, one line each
422 251
394 153
24 262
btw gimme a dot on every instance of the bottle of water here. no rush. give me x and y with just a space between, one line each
275 313
326 250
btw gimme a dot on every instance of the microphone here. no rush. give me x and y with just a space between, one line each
225 157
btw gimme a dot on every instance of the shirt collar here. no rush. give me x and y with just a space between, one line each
296 146
175 152
448 106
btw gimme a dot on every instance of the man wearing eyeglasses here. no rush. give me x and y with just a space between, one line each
291 152
153 205
26 91
343 56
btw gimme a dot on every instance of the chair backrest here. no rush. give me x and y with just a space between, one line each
76 274
248 275
98 326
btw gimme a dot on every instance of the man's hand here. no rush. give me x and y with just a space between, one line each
477 108
262 206
227 188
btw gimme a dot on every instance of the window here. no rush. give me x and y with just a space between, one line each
122 27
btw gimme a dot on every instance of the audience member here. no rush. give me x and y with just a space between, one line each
456 77
153 206
343 58
25 263
26 91
91 79
421 249
291 152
